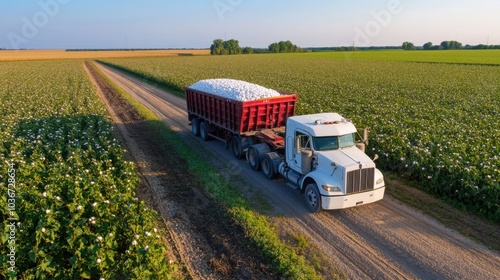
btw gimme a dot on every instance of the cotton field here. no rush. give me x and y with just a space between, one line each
72 195
436 124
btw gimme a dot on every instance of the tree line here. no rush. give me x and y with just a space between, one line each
221 47
448 45
232 46
284 47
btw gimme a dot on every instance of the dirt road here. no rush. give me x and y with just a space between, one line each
204 243
384 240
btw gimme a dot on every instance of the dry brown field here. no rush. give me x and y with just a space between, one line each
17 55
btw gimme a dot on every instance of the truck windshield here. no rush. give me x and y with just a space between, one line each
333 142
326 143
347 140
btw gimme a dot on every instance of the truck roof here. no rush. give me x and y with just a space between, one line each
325 124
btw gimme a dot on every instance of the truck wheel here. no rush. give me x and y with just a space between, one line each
253 158
268 165
236 147
204 131
313 198
255 153
195 126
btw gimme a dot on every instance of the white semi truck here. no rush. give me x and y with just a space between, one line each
319 154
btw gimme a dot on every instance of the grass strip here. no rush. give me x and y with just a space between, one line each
163 84
256 226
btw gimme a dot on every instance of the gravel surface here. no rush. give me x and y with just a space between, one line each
383 240
201 236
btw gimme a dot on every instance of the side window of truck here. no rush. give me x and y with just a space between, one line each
305 143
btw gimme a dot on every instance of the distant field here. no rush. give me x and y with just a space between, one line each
435 123
61 54
485 57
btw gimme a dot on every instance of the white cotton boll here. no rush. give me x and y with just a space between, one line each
234 89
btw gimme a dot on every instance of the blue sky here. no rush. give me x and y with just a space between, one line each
256 23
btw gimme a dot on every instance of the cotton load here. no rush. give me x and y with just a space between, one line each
234 89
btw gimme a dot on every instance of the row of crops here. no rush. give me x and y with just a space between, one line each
437 124
68 196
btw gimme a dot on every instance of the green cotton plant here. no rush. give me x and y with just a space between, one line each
77 215
434 123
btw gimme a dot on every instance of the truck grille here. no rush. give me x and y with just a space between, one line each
360 180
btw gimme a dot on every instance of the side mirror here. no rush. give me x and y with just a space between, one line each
361 146
365 136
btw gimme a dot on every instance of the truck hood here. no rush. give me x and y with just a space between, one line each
348 158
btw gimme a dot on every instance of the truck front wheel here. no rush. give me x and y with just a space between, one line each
313 198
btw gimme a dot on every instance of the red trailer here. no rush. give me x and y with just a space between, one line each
239 123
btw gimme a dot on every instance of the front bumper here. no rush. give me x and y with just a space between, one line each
352 200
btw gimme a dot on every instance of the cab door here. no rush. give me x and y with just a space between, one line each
303 140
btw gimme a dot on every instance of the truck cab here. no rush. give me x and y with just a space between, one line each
324 160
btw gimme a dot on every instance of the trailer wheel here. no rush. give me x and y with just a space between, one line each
269 166
253 158
204 131
313 198
236 147
195 126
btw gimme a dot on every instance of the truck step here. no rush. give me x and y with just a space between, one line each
293 186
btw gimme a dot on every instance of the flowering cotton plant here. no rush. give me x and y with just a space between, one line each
65 160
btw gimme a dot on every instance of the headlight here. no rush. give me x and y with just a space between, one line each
331 188
380 181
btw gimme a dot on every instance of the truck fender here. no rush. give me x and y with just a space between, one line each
321 179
